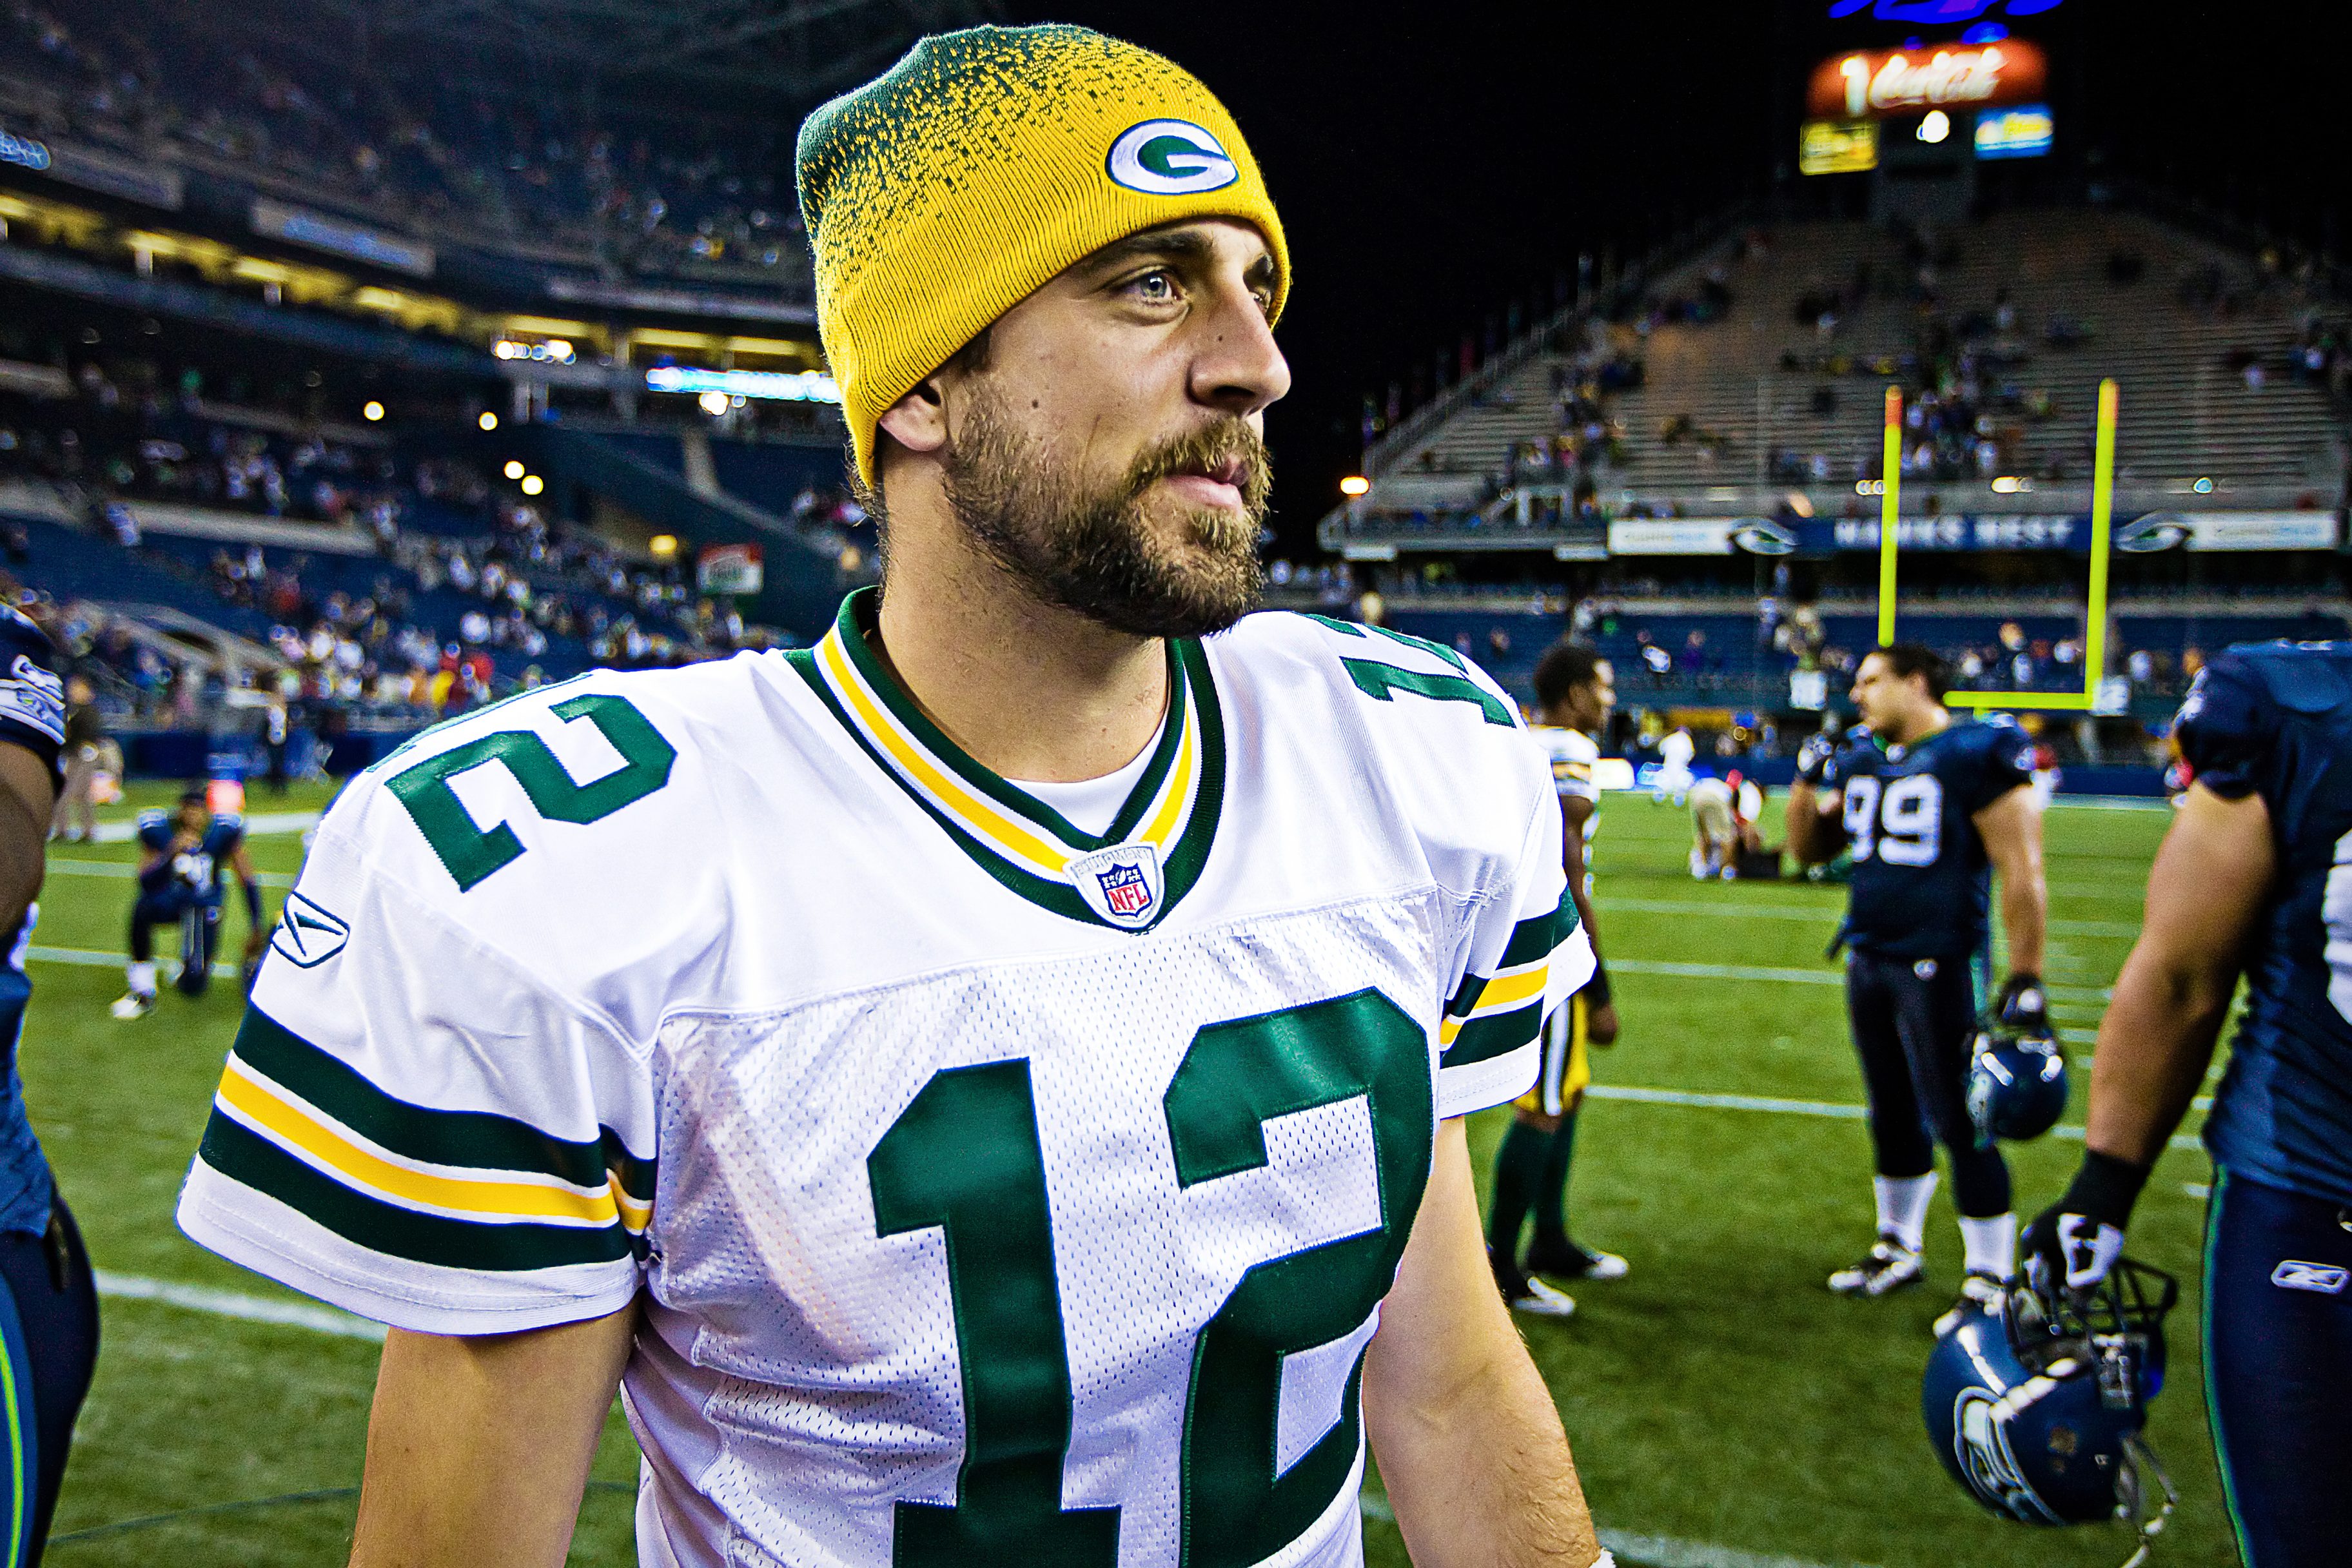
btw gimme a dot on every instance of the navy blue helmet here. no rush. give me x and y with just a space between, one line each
2017 1085
2038 1411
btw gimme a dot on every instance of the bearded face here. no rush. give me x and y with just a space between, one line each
1137 551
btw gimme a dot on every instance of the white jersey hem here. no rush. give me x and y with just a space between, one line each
1477 1085
239 1233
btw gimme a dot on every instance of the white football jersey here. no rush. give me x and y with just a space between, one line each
1573 755
1000 1192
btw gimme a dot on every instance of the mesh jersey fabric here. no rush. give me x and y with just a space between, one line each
704 982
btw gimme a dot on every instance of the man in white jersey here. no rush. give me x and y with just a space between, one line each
1575 690
948 1169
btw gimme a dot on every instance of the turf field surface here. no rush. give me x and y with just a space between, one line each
1727 1412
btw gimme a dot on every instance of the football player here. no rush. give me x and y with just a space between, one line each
180 880
2252 880
1929 808
989 1087
48 1298
1575 690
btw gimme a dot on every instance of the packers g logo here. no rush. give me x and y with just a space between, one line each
1170 158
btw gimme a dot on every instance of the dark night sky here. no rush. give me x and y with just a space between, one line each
1431 162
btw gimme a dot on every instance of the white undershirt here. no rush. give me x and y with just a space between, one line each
1091 804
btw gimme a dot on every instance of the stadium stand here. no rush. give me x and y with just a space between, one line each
2229 369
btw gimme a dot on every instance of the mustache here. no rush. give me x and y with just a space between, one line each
1228 441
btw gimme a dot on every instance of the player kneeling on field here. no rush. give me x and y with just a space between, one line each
180 882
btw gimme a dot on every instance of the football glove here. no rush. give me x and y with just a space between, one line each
1813 758
2072 1244
2023 1008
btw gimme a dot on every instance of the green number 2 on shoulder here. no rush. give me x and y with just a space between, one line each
472 852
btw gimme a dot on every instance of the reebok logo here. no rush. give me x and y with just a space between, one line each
308 934
2324 1278
1170 158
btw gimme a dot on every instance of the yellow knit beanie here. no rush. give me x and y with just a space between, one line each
949 189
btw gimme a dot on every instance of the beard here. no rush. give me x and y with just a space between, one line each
1093 547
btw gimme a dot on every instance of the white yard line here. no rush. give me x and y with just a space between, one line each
1789 1107
260 825
1825 914
234 1304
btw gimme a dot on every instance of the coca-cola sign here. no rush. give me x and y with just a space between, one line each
1865 84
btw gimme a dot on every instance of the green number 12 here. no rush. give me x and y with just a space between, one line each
965 1156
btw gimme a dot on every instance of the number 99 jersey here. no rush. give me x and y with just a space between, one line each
1922 884
1001 1192
2276 719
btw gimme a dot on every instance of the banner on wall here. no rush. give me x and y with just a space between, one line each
1963 533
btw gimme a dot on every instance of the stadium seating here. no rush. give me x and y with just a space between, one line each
1718 400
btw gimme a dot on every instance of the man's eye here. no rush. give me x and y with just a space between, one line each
1154 288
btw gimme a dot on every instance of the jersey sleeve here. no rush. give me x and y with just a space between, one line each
155 830
2225 729
32 693
1573 757
1526 953
414 1128
2005 762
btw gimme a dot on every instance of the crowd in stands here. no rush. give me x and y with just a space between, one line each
454 591
1968 376
695 193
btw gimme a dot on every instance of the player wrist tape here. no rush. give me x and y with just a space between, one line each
2105 1188
1604 1561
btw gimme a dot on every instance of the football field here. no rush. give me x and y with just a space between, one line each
1727 1411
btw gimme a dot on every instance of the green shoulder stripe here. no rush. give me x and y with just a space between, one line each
1483 1039
468 1139
1536 936
506 1247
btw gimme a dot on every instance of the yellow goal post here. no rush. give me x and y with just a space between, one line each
2094 624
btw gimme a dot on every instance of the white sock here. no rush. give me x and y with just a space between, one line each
1992 1245
1903 1206
143 978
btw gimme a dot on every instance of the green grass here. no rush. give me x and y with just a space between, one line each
1717 1394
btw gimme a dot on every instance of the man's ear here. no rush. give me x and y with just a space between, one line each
918 421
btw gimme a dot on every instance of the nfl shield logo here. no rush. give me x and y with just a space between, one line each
1121 884
1125 891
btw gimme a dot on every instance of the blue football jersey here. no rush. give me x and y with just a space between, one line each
1922 885
198 870
32 715
2275 718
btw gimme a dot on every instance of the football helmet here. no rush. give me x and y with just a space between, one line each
2037 1411
2017 1085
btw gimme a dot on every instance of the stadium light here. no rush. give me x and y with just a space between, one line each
533 484
1934 126
776 385
663 545
514 468
489 421
1355 485
2012 484
714 402
373 411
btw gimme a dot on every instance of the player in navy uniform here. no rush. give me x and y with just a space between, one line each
48 1304
2254 879
180 880
1929 807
